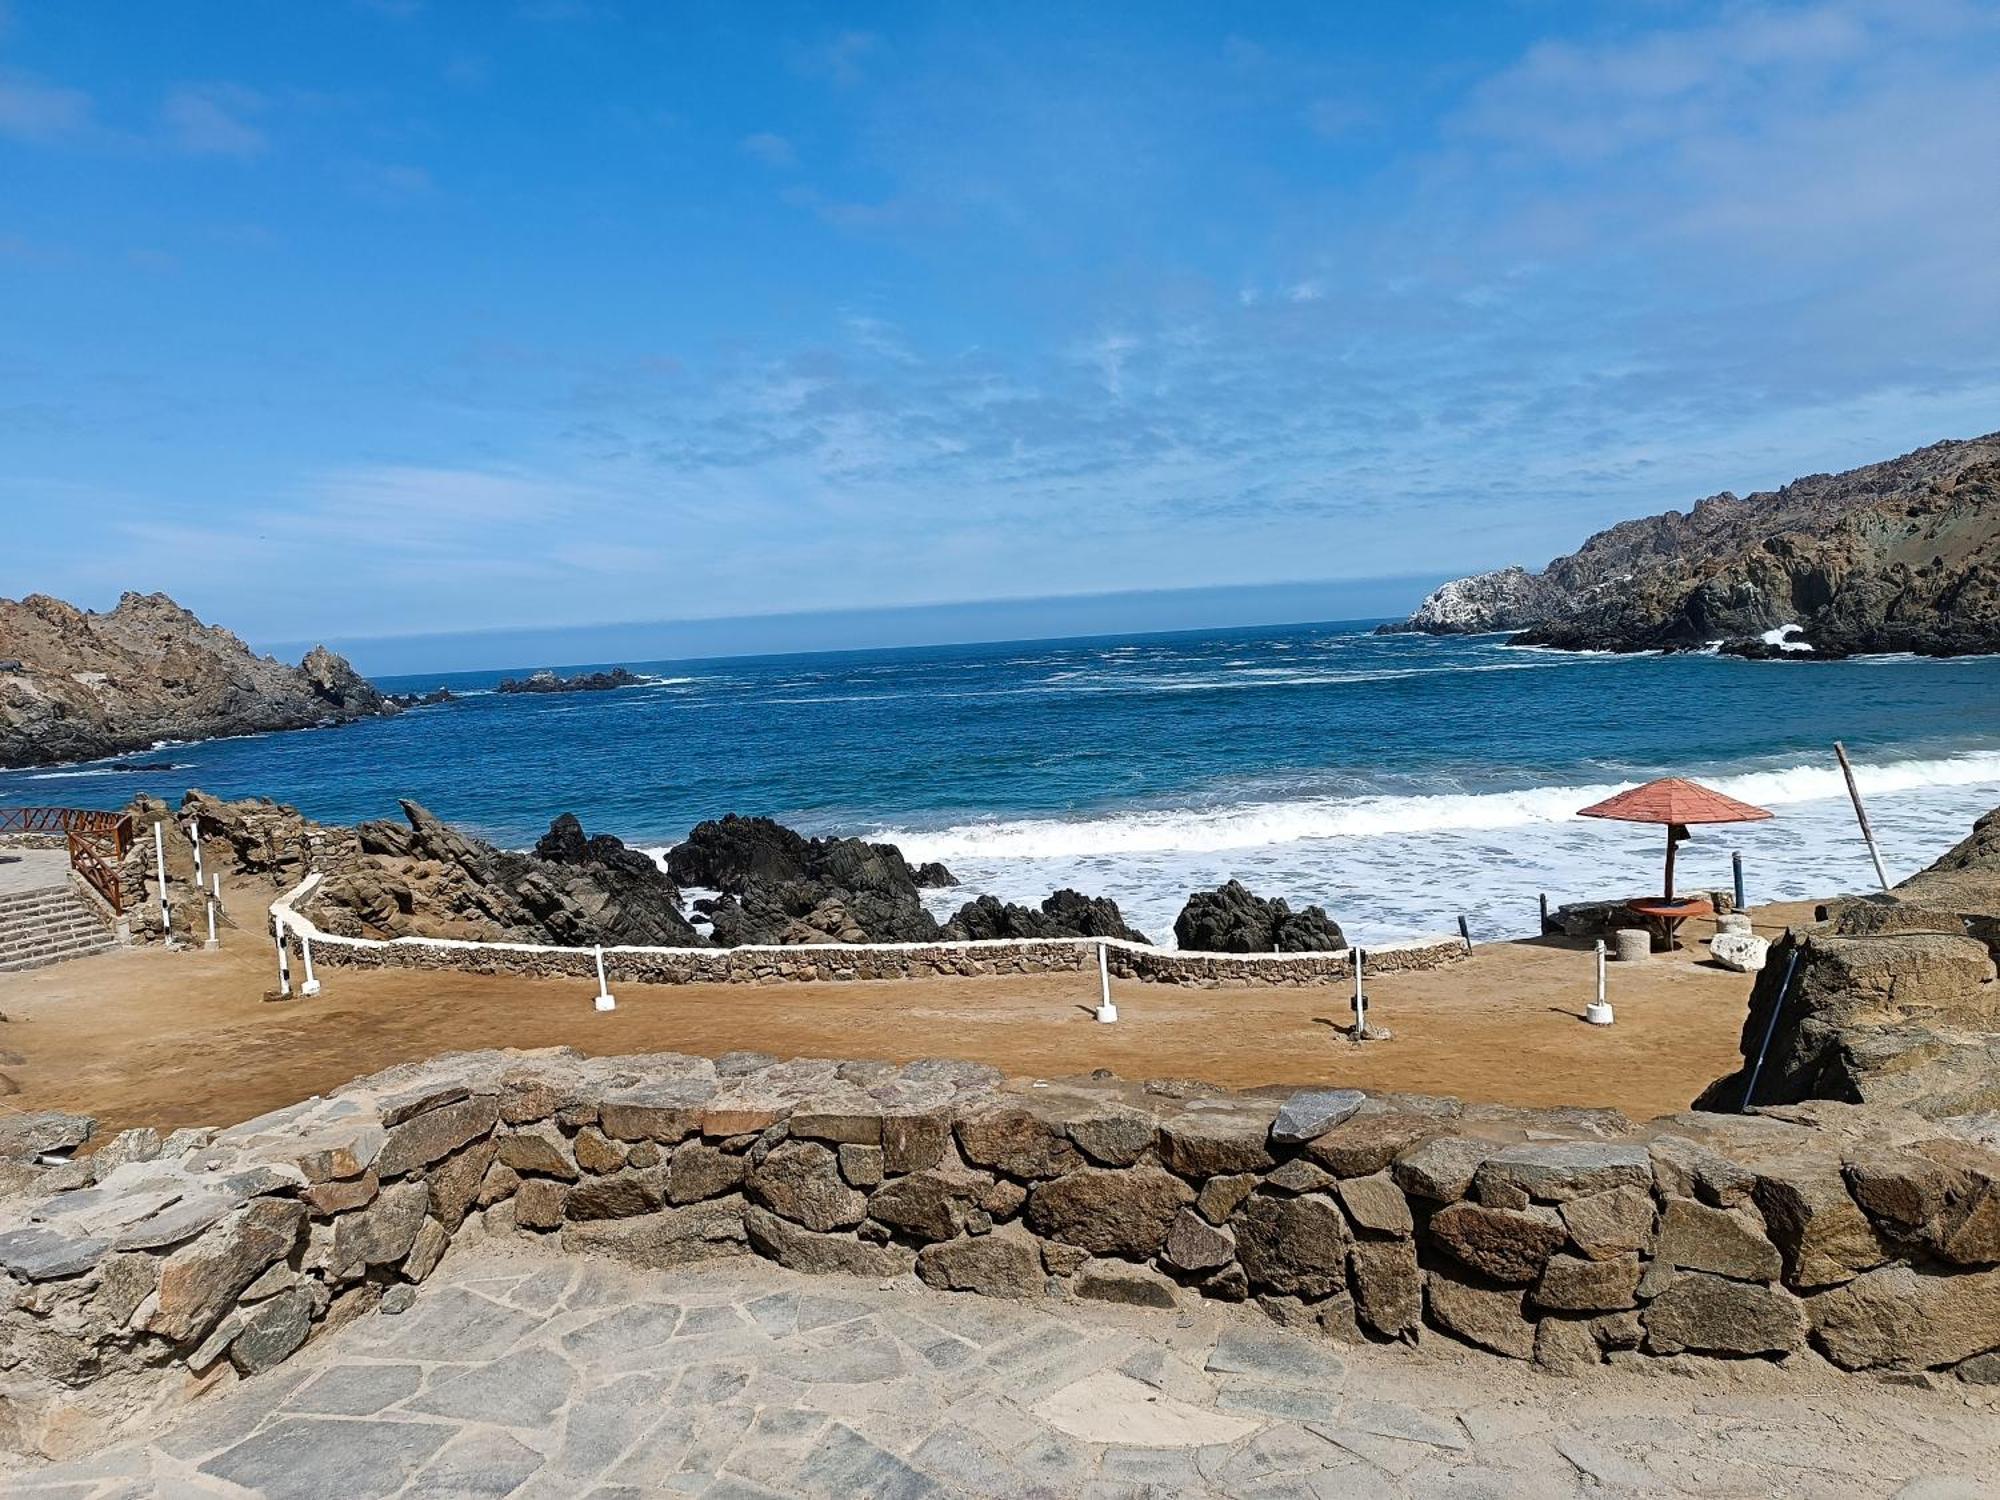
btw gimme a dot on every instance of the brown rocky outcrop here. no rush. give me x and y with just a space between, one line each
77 685
1897 556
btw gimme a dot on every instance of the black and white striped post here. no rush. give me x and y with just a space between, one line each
1360 997
160 874
311 985
201 880
284 958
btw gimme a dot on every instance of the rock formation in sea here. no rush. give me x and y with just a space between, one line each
583 682
1067 913
78 685
1231 919
779 886
1897 556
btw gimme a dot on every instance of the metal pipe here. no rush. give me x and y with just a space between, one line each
1861 814
1106 1011
1598 1012
1770 1029
1736 869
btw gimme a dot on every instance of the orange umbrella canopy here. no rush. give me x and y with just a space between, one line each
1674 800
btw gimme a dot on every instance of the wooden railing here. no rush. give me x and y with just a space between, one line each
98 842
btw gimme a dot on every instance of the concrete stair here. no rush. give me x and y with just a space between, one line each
47 926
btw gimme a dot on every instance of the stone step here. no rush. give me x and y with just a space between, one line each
15 964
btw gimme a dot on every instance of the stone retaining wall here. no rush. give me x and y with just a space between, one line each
849 961
1569 1237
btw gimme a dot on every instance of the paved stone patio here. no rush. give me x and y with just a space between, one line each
520 1372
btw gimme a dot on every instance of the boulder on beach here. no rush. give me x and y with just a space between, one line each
1232 919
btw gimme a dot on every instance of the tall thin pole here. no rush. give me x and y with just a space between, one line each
160 870
1360 997
604 1000
284 959
1861 813
1736 868
311 986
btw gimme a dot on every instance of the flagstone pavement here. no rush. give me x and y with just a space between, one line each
518 1372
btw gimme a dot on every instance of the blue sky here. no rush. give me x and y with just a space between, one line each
401 317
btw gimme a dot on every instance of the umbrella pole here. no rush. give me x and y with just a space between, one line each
1670 866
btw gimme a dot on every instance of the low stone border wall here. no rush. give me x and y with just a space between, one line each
1568 1237
808 962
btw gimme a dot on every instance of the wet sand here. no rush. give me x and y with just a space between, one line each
144 1037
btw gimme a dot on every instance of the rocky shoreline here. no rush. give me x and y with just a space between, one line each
1901 556
773 887
77 685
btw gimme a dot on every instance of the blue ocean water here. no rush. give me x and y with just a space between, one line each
1401 781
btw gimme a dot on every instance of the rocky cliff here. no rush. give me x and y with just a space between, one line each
75 685
1897 556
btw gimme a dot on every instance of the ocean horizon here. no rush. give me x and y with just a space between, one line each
1399 781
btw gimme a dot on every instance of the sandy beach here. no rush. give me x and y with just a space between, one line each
146 1038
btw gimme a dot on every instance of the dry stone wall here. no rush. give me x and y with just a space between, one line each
1569 1237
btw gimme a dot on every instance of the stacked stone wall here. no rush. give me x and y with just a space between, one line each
1567 1237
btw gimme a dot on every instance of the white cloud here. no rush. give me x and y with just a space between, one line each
40 112
770 149
211 121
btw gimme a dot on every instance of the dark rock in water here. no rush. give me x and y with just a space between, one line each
1067 913
424 700
1231 919
83 686
728 853
786 888
583 682
932 876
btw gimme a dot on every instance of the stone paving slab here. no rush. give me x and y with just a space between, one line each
520 1373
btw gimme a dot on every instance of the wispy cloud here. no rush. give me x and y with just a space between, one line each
771 149
213 120
34 111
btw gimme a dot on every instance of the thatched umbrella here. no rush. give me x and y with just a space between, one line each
1676 803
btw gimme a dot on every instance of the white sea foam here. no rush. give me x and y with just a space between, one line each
1390 867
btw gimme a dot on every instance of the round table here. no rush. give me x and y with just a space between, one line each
1670 914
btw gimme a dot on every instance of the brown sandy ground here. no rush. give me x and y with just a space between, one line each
144 1037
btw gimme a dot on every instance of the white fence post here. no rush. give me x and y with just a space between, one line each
1360 997
311 986
1598 1012
1106 1011
604 1000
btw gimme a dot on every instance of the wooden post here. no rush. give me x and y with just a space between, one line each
1545 913
1465 935
1861 814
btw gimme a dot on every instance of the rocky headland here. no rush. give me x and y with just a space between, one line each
1897 556
78 685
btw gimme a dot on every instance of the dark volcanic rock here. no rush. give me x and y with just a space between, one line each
1230 919
80 686
1065 914
1898 556
583 682
781 887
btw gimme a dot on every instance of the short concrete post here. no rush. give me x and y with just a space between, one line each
160 873
1633 944
284 959
604 999
1598 1012
1106 1011
311 986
